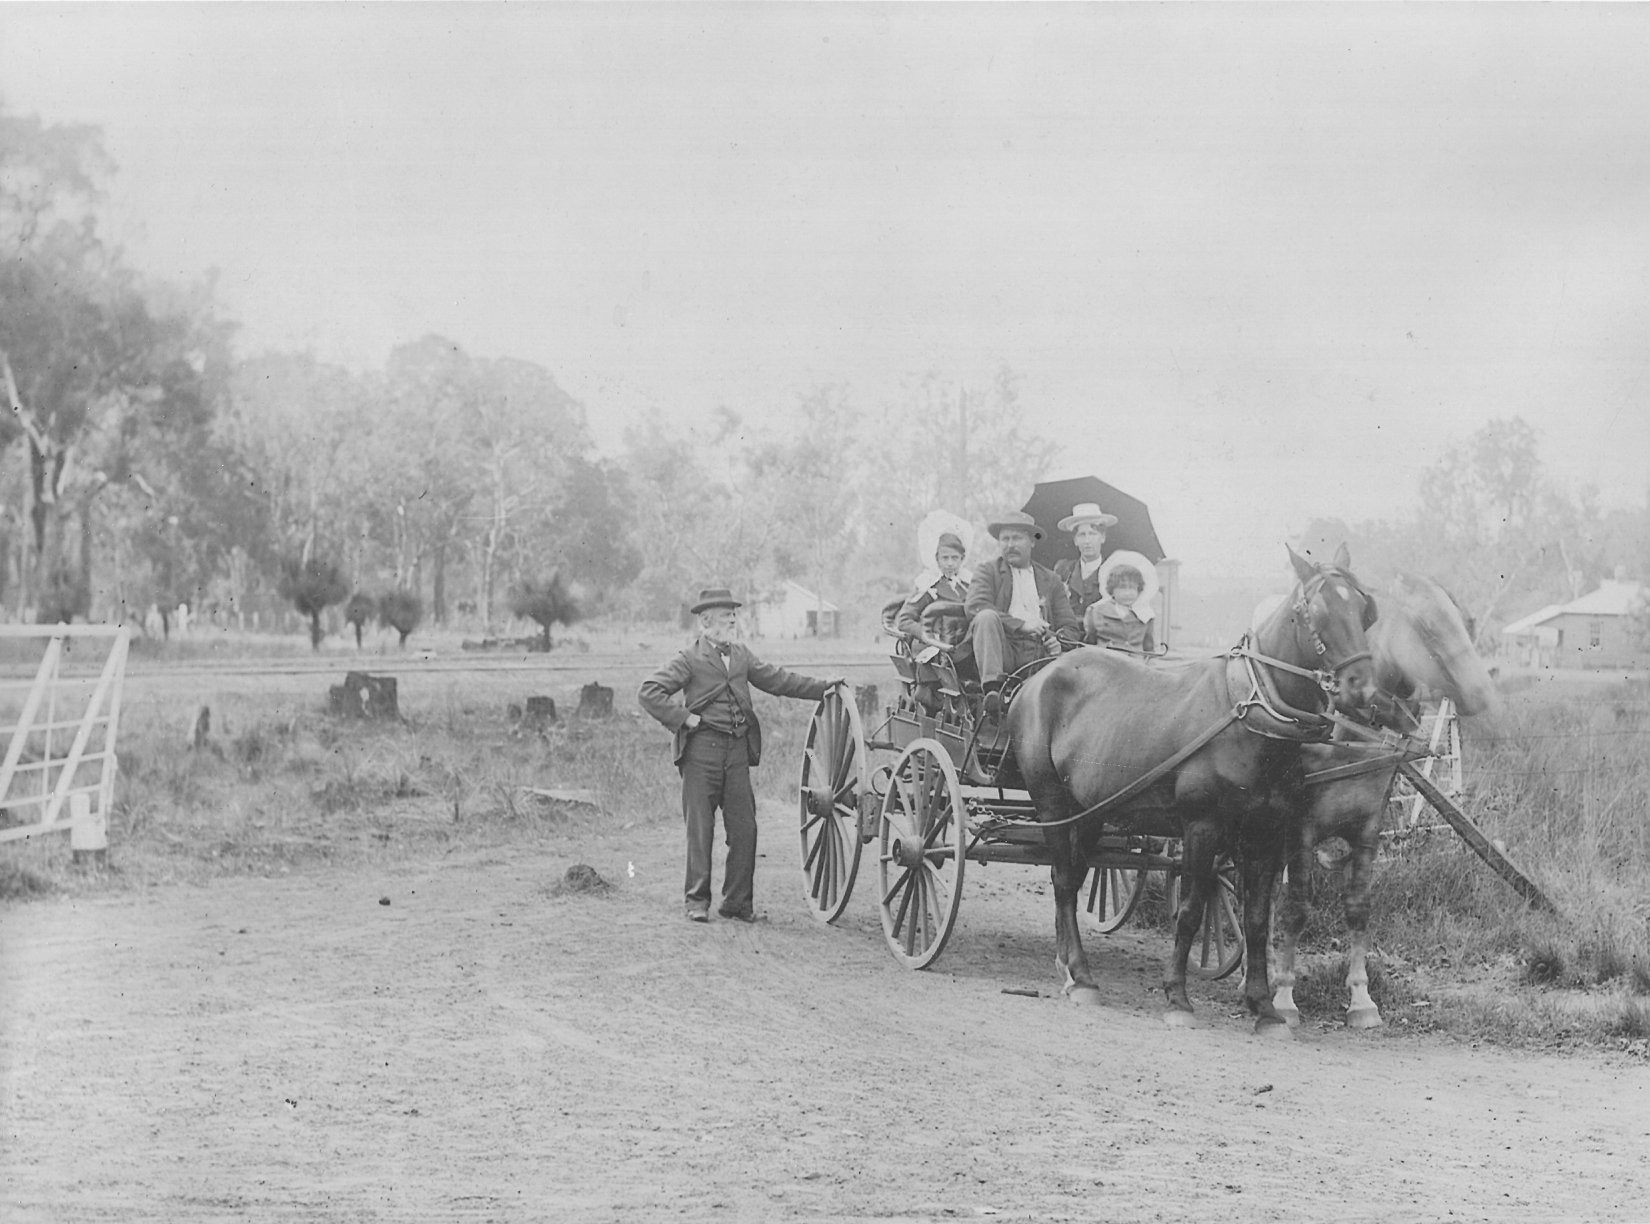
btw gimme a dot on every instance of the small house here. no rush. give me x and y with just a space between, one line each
793 611
1595 631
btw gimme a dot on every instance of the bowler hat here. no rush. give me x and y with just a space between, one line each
715 597
1015 518
1087 512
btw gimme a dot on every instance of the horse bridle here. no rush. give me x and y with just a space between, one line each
1302 609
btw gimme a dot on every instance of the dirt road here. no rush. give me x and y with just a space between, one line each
480 1049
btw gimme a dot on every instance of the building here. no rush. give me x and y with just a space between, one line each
793 611
1596 630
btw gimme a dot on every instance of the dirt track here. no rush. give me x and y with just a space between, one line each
480 1049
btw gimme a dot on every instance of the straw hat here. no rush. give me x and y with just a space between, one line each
1087 512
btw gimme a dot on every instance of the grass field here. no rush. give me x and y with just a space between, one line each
1563 780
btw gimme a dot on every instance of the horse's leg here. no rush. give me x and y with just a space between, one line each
1069 870
1260 855
1292 918
1200 843
1361 1011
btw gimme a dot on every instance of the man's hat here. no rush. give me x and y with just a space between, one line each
1087 512
1015 518
715 597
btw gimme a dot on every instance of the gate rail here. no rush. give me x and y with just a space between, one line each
38 782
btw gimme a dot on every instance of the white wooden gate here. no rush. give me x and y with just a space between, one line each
1441 767
59 769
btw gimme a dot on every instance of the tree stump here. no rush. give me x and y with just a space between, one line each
595 701
364 696
540 711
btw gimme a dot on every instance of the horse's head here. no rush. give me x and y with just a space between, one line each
1422 644
1330 615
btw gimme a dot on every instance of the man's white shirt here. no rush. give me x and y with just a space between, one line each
1024 603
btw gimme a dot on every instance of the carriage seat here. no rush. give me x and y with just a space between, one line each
936 680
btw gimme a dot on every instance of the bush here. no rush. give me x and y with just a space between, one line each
547 602
311 587
358 611
401 611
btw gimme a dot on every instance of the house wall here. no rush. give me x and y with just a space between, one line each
1614 646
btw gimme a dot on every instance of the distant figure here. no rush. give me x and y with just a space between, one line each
718 740
1087 524
1114 621
183 618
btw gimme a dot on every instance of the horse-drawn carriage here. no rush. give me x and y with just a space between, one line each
1106 769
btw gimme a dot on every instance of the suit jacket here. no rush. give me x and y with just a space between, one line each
993 587
697 673
1084 592
944 590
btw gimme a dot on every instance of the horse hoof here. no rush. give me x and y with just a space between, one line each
1290 1016
1175 1018
1273 1030
1363 1018
1084 996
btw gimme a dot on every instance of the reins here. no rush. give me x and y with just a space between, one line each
1310 725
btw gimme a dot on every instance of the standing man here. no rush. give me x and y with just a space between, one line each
717 741
1018 611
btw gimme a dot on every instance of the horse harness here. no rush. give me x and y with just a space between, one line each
1300 726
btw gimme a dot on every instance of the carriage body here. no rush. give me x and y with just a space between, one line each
931 787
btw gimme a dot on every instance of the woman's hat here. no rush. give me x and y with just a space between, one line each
1087 512
715 597
947 540
1015 518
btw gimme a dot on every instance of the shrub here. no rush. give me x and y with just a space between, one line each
312 586
547 602
358 611
401 611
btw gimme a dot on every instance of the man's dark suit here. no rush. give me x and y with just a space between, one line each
1002 643
715 758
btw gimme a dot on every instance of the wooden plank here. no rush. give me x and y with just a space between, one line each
1481 845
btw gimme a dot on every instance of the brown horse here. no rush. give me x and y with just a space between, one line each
1208 752
1421 649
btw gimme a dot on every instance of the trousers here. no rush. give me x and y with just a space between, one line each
998 649
716 774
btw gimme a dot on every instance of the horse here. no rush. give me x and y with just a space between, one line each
1422 649
1208 752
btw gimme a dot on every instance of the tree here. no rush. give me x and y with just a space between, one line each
312 586
546 601
360 609
401 611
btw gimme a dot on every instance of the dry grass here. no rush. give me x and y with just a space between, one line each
1563 782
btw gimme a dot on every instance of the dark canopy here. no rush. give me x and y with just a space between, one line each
1052 501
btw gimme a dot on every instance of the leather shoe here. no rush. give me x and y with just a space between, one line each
698 913
738 915
991 705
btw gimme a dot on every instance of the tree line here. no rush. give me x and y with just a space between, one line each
144 463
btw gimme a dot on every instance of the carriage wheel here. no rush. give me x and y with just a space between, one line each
922 837
835 773
1218 948
1113 894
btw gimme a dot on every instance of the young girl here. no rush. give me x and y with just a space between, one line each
1114 622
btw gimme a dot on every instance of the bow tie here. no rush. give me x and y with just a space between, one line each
724 651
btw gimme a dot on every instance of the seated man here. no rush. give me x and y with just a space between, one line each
1018 611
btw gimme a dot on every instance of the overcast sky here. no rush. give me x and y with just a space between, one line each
1254 263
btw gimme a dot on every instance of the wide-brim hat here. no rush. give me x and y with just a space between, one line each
1015 518
1087 512
715 597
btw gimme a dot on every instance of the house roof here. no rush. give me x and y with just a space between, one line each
1614 597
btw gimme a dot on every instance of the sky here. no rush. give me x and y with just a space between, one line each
1253 264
